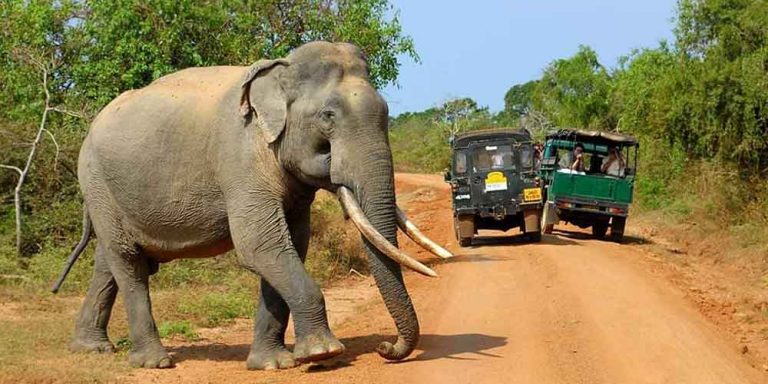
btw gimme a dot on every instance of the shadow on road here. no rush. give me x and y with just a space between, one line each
576 235
474 258
450 346
479 241
430 347
636 240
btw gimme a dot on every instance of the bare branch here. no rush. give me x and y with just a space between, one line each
11 167
28 57
56 158
67 112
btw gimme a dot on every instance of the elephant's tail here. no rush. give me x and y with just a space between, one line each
87 231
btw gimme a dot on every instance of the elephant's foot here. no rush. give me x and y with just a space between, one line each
267 360
150 357
99 344
317 346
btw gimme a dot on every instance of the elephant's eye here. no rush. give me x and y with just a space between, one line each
327 115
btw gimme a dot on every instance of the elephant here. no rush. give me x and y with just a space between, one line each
205 160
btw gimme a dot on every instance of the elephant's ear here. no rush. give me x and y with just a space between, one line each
268 100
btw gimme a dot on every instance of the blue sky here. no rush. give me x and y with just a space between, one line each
480 48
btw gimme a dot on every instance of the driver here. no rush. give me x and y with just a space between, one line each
497 160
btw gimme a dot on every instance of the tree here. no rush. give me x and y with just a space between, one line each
722 54
45 69
135 42
459 114
576 92
519 99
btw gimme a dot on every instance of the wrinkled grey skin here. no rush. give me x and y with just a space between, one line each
207 159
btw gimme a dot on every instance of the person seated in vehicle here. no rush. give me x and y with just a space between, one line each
538 153
482 162
614 164
497 160
578 158
595 164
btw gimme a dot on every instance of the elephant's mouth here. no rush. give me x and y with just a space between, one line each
317 167
355 213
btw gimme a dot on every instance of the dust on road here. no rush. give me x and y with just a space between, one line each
568 310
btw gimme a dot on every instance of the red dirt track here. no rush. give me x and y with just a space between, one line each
567 310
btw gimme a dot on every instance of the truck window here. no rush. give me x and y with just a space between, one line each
526 156
490 157
461 162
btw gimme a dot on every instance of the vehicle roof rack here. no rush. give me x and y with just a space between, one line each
592 136
521 135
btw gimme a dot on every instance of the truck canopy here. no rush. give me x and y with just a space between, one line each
595 137
518 135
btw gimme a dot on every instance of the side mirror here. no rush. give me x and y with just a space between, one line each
447 175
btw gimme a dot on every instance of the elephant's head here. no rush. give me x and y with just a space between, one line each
328 125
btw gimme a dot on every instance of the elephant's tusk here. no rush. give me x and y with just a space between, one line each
366 228
416 235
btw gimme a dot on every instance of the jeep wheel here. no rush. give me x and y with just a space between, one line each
546 228
599 229
617 228
465 230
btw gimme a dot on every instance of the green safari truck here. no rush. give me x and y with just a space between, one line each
588 179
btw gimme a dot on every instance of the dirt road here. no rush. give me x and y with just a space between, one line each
568 310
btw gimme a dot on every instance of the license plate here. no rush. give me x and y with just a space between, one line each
495 181
532 194
590 207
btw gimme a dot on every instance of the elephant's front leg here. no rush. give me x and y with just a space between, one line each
266 247
268 350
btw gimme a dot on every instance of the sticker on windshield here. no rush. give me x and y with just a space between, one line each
495 181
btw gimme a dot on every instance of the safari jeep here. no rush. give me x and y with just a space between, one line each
494 184
598 193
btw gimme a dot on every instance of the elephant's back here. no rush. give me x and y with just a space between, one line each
206 81
200 86
171 118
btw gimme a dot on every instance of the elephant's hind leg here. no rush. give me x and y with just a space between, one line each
91 326
131 270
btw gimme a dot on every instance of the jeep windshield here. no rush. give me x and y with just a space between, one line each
492 157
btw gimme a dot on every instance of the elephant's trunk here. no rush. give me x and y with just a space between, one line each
375 191
370 233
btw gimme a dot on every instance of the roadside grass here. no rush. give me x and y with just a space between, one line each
182 328
187 295
716 203
34 334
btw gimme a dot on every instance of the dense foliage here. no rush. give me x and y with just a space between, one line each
420 139
92 50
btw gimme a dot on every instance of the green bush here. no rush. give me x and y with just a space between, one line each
181 328
213 308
